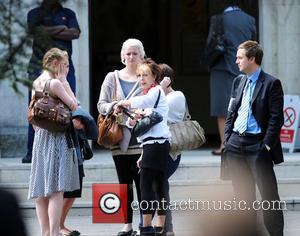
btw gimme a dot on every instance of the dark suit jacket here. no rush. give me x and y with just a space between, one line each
267 108
238 27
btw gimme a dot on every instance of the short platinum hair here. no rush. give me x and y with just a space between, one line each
132 43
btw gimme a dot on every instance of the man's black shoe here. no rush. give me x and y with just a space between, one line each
27 158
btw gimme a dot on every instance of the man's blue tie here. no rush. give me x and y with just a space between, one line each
242 119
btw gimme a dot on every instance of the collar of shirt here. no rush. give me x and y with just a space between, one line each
254 76
232 8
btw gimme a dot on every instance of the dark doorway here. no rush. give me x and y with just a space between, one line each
173 32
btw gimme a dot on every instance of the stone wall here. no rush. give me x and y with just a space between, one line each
280 36
13 114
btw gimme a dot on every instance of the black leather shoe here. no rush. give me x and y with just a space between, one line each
127 233
27 158
159 231
147 231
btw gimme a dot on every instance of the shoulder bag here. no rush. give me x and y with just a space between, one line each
186 134
48 111
110 132
215 46
147 122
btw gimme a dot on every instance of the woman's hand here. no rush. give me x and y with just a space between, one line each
137 117
62 73
138 162
78 124
124 103
165 82
116 110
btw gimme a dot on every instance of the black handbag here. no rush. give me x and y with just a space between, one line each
215 46
147 122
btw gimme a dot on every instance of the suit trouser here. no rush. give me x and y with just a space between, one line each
251 164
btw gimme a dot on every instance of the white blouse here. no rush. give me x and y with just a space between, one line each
176 102
147 102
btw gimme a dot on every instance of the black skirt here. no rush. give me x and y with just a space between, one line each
155 156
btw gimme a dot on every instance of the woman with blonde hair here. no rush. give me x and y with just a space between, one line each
124 84
54 168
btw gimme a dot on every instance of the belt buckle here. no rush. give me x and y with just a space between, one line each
242 134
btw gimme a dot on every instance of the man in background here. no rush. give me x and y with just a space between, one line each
50 25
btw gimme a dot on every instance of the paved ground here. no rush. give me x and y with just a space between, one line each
185 224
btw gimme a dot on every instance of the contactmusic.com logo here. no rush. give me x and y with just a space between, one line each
109 203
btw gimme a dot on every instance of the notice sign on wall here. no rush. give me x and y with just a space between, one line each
289 134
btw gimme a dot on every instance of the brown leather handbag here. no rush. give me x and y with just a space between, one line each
49 112
110 132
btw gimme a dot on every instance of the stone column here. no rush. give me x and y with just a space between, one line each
279 23
81 52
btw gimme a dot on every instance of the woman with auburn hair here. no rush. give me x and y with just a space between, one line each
155 144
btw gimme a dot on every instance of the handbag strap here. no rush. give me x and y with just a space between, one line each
157 100
47 91
115 85
187 115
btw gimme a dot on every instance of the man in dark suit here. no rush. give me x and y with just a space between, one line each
238 27
252 144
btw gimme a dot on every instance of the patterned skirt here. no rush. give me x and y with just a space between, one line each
54 165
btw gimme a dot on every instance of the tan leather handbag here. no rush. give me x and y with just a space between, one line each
110 132
186 134
49 112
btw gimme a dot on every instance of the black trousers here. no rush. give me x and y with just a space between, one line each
251 164
154 195
128 172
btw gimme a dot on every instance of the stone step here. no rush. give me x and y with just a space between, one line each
179 190
192 167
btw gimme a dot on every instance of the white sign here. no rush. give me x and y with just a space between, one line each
290 135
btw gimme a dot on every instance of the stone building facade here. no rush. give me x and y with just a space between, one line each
279 34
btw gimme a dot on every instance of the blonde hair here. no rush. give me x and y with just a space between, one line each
52 55
132 43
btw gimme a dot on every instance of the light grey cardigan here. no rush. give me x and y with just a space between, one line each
106 103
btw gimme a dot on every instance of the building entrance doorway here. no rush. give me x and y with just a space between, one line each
173 32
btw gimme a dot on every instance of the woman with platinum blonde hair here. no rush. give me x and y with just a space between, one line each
119 85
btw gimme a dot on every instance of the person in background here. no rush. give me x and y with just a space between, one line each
11 222
153 161
50 25
54 168
238 27
177 109
70 197
252 143
124 83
